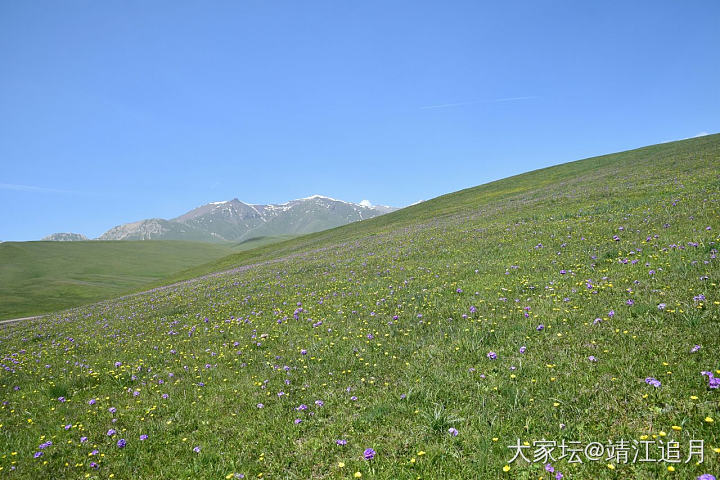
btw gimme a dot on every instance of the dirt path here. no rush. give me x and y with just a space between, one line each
13 320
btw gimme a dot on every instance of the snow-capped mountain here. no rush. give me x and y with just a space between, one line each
234 220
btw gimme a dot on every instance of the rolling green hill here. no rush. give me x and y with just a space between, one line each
41 277
569 307
547 187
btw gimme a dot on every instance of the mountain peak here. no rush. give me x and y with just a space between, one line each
234 220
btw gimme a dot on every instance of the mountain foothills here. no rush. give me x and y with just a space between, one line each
234 221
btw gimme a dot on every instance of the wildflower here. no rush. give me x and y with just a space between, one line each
38 454
522 349
540 327
453 431
706 476
592 358
143 437
492 355
661 306
111 432
369 454
653 381
196 449
341 442
297 421
695 349
121 443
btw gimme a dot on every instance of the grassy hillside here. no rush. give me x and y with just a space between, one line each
577 303
40 277
544 187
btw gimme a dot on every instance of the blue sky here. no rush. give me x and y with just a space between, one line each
115 111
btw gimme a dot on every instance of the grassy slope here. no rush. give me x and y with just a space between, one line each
615 257
40 277
545 184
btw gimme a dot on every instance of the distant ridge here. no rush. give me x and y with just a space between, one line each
65 237
236 221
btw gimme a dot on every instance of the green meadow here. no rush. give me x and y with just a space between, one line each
42 277
568 307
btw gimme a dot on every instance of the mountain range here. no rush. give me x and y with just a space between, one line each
233 221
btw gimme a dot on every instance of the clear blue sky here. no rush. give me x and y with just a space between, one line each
114 111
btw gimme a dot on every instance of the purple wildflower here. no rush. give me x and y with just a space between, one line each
369 454
653 381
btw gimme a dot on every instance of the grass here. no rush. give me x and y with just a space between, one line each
41 277
584 280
